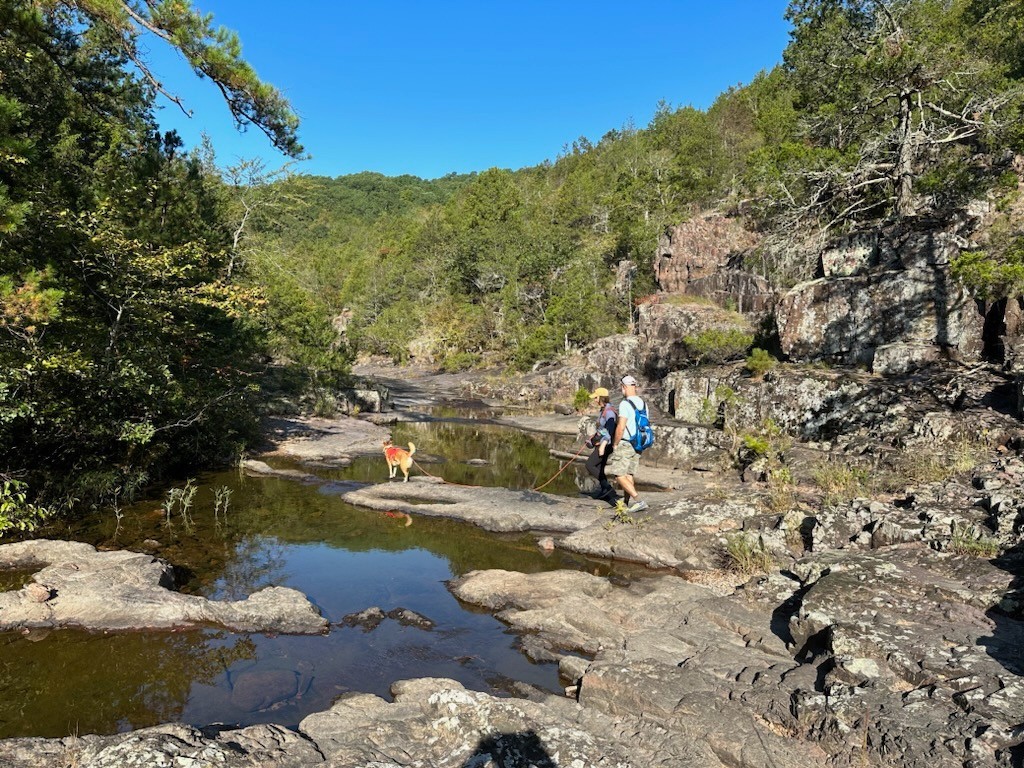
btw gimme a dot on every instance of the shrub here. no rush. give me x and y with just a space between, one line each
581 399
759 362
744 556
717 345
15 512
967 541
759 445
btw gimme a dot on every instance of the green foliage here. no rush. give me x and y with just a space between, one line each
718 345
581 399
757 445
899 106
759 362
992 274
16 513
128 349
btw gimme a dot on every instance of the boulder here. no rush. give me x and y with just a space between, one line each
677 331
890 286
121 590
840 319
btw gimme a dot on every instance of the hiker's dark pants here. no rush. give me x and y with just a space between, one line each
595 466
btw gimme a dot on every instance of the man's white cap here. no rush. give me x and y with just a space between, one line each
628 381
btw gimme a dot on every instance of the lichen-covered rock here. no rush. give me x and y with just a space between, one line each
167 746
128 590
681 332
437 722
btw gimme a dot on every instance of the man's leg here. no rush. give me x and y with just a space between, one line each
626 484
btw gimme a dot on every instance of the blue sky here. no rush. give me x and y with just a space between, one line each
434 87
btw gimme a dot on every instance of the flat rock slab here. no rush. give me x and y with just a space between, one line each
314 439
78 586
493 509
549 423
437 722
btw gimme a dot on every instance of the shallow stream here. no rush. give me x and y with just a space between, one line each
346 559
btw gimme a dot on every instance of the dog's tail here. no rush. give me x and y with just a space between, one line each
412 449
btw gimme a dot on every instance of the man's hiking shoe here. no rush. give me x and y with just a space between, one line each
637 506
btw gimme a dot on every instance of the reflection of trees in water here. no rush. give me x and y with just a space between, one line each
515 460
77 682
257 562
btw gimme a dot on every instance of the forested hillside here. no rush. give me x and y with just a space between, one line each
880 110
146 297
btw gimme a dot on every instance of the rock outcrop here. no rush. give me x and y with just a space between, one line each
676 331
77 586
703 257
879 289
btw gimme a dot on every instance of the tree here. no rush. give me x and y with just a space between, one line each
125 352
212 52
897 96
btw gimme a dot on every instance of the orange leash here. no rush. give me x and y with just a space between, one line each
570 461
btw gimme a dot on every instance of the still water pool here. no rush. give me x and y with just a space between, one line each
346 559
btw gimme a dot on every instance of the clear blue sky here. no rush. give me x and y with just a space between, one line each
431 87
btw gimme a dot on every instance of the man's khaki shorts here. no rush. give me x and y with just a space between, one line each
624 460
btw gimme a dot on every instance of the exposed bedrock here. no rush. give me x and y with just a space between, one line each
826 404
77 586
886 299
898 658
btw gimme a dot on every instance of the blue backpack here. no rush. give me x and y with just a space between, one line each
643 438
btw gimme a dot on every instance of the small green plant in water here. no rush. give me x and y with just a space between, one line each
221 501
746 557
180 499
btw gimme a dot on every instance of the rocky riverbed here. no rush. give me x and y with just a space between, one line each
794 624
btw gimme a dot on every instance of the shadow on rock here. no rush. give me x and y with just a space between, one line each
1006 644
511 750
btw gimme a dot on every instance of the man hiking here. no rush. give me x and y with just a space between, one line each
625 461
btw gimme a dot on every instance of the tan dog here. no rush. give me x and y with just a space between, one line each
398 458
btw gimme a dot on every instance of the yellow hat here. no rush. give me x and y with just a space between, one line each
599 392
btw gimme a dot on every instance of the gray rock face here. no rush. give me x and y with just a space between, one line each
128 590
687 675
663 327
891 287
437 722
922 669
826 404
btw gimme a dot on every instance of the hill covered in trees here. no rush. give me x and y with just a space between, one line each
880 111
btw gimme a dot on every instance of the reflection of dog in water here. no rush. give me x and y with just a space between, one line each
398 458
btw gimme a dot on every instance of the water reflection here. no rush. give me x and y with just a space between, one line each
346 559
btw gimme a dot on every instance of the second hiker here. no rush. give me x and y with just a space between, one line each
601 443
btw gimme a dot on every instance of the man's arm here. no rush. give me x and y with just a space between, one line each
620 426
